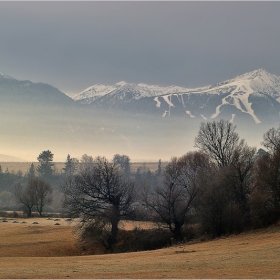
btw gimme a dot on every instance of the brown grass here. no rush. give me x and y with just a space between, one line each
48 251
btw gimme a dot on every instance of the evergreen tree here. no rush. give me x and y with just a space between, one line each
31 171
70 165
159 169
45 167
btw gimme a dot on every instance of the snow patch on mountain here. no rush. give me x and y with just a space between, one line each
240 99
167 99
203 117
232 118
92 93
157 101
190 114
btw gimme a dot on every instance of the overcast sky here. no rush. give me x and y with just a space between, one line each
73 45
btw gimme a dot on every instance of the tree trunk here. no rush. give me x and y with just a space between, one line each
177 232
29 212
115 218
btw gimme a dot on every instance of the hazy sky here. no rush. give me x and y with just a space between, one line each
73 45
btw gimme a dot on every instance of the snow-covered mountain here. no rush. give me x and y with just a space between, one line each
124 91
254 96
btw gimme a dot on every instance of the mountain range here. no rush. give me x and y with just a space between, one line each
254 96
147 122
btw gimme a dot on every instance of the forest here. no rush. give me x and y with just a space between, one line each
223 187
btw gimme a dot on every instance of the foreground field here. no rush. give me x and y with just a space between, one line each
46 250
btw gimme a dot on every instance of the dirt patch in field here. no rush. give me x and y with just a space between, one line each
55 255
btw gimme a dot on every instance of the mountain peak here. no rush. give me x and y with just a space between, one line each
5 76
121 83
254 74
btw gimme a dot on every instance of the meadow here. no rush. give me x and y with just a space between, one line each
45 250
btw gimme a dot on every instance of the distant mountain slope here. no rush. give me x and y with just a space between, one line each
253 96
6 158
15 91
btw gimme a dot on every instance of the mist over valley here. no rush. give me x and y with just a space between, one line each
147 123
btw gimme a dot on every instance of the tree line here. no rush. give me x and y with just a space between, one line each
223 187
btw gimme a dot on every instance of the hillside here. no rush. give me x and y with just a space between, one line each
248 255
7 158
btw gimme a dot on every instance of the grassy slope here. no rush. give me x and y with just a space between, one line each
53 254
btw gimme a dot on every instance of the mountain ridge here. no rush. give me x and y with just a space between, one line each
7 158
239 95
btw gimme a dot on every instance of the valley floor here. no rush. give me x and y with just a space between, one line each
46 250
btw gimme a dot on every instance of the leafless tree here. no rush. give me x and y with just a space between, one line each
217 140
271 139
26 197
224 205
172 201
86 164
268 183
243 162
100 196
43 193
124 162
37 194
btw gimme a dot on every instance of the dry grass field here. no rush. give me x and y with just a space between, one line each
46 250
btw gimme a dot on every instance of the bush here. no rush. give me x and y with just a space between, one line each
94 240
262 210
142 240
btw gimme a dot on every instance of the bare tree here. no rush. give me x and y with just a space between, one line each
217 140
271 139
124 162
268 183
100 196
224 204
265 196
37 194
243 162
86 164
26 197
173 200
43 193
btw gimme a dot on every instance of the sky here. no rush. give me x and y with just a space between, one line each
73 45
